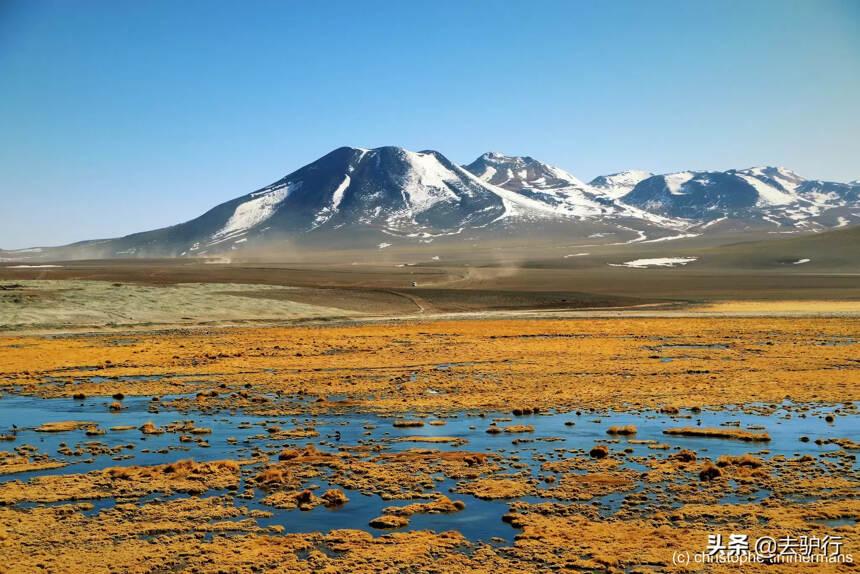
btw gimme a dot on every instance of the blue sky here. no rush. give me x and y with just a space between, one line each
118 117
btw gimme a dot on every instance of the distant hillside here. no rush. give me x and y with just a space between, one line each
835 250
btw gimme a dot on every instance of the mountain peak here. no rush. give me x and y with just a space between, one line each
616 185
520 172
772 171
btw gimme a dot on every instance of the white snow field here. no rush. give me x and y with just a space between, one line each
655 262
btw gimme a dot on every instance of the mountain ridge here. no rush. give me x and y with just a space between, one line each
357 195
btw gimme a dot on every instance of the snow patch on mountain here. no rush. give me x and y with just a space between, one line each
635 212
676 181
517 204
782 177
426 183
328 211
713 222
255 211
655 262
337 196
489 172
619 184
673 237
768 194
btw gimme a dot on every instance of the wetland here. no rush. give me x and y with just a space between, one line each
517 445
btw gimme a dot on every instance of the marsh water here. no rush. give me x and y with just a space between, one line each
481 519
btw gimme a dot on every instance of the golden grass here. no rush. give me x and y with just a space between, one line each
441 505
394 368
64 426
738 434
492 364
408 424
785 306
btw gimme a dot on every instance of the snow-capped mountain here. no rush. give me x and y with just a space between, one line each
354 197
619 184
388 189
530 178
767 195
553 186
349 197
515 173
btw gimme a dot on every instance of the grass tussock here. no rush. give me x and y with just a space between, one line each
621 430
599 451
408 423
738 434
746 459
709 472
